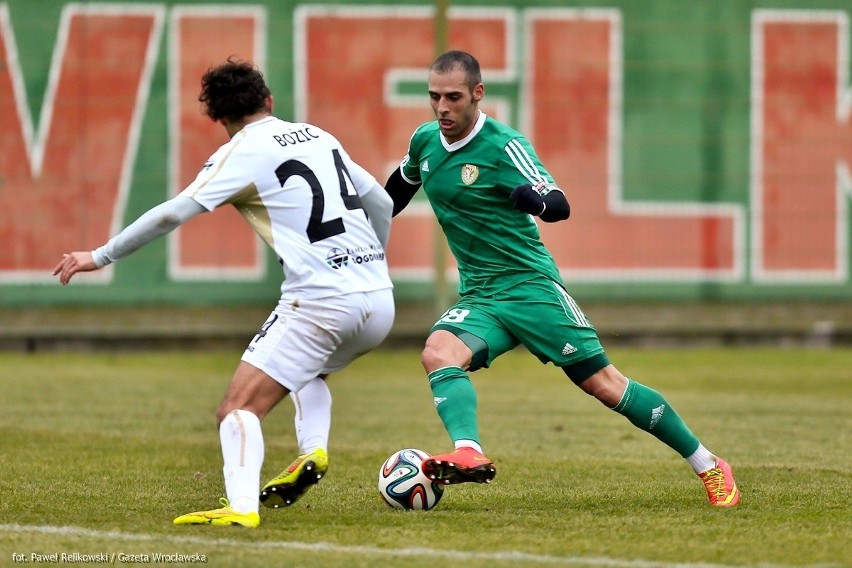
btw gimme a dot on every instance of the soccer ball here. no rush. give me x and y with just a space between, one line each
403 485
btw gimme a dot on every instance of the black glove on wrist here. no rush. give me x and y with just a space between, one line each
526 199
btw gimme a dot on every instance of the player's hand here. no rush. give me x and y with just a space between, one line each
72 263
527 199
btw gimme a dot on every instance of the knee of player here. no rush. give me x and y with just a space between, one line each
444 349
429 357
436 357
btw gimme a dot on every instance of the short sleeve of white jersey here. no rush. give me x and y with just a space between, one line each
221 177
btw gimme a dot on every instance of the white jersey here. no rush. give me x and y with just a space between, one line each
299 189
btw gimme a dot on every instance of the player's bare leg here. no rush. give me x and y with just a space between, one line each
249 398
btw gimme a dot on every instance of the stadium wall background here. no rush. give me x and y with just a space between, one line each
706 148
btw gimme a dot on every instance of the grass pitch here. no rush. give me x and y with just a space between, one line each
101 452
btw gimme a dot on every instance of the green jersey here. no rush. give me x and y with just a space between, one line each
468 185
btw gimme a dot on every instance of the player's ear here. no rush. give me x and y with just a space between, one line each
270 103
478 92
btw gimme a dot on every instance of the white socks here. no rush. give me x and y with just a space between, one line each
701 460
242 452
313 415
242 442
468 444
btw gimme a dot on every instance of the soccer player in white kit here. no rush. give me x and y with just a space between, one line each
328 221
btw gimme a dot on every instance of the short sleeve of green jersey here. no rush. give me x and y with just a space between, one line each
410 166
521 165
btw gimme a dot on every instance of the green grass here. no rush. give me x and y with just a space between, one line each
100 452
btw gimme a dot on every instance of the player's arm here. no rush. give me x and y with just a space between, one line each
379 207
152 224
401 191
537 194
544 200
374 199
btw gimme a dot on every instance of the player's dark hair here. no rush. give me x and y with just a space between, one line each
464 61
233 90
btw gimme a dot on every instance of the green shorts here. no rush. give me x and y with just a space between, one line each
538 314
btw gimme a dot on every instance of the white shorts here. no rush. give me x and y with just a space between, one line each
303 339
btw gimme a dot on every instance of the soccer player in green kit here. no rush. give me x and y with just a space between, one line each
485 184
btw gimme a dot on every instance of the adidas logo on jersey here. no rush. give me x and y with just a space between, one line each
568 349
425 166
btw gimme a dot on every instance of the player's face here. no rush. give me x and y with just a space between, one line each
455 106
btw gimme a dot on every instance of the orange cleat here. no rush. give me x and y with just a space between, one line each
459 466
721 487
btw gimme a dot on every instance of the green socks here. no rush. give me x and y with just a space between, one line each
646 409
455 401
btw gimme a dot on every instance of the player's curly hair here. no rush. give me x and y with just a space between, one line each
233 90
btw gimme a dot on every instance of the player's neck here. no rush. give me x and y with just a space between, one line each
232 127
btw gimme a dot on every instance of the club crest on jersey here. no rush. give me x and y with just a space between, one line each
469 173
337 258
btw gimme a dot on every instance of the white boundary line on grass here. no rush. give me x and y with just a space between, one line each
507 556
